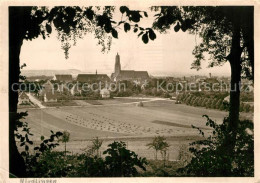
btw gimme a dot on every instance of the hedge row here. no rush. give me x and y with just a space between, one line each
211 103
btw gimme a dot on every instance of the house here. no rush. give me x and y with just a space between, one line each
105 93
76 90
63 77
23 99
120 75
38 78
90 78
48 86
50 97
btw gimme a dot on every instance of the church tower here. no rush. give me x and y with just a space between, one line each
117 65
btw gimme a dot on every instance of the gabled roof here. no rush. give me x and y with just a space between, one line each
23 96
92 77
42 77
127 74
48 83
48 86
63 77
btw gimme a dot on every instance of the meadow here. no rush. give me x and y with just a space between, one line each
123 120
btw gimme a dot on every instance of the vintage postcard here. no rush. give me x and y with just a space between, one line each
129 91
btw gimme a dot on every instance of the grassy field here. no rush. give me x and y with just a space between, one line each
117 120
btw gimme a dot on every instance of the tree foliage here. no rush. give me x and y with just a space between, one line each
209 157
214 27
159 144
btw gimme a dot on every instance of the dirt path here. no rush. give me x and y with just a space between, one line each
35 101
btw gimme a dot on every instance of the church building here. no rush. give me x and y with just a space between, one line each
120 75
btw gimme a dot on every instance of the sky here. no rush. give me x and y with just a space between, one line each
168 54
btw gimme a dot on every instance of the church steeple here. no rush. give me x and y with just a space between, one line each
117 65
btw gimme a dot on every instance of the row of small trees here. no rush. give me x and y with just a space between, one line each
43 161
210 102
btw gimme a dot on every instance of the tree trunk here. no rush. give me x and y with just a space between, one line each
235 64
16 162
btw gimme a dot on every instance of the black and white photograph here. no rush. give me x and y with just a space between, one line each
123 90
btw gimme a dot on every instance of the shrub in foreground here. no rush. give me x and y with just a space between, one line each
210 157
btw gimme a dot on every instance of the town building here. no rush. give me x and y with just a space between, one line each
75 90
91 78
105 93
48 93
63 77
50 96
120 75
23 99
38 78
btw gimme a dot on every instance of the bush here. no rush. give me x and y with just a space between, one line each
195 101
121 161
159 144
251 108
208 103
205 100
213 104
183 97
211 156
246 108
241 107
186 97
200 101
187 101
192 100
218 104
179 97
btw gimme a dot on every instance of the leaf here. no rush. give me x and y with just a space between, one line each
48 28
152 35
145 38
121 22
140 34
26 147
90 14
114 33
145 14
22 144
177 27
135 29
42 138
123 9
59 134
135 16
46 141
108 28
127 27
183 27
23 153
66 28
36 148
